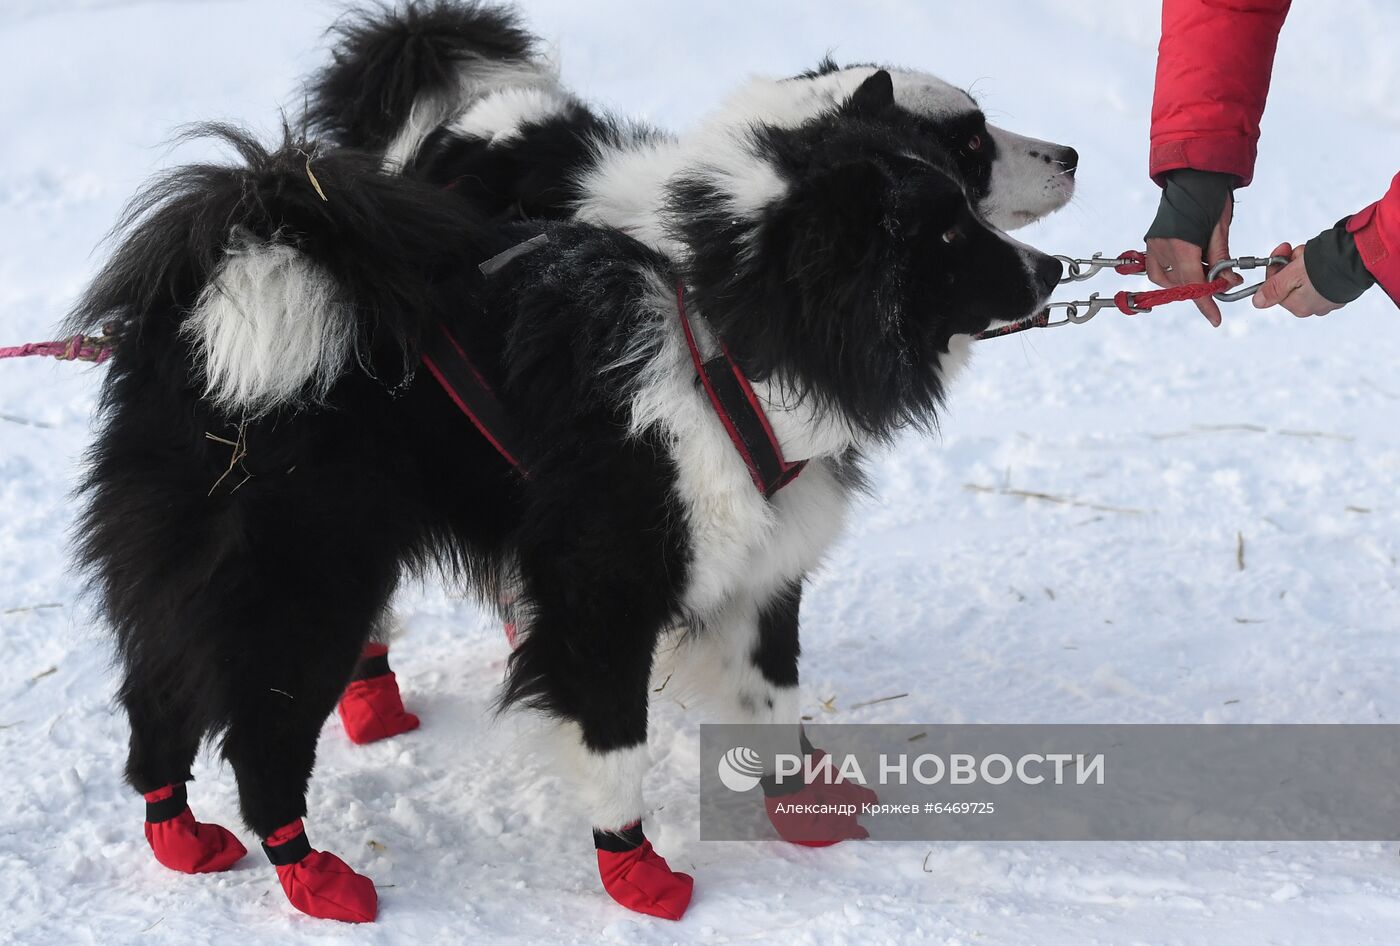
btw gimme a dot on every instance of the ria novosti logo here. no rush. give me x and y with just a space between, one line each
740 769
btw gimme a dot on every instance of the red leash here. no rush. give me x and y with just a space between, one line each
93 348
1133 303
1132 263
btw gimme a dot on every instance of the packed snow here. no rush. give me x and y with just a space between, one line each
1138 520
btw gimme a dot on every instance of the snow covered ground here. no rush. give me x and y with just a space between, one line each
1174 441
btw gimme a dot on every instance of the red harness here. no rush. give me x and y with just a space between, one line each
730 394
737 406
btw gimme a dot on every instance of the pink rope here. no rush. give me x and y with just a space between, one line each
77 348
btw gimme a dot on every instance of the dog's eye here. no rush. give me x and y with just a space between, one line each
952 236
974 143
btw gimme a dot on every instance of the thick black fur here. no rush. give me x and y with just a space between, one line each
873 198
243 562
240 601
385 58
535 176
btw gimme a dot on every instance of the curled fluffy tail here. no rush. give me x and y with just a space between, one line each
398 72
279 271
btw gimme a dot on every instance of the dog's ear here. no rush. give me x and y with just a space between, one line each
874 95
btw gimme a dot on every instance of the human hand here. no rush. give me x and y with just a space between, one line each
1172 262
1291 287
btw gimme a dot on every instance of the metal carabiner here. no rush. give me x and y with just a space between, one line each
1243 262
1092 307
1080 270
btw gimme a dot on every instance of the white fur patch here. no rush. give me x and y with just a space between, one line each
741 543
626 190
499 116
477 78
609 784
788 103
270 330
715 666
1024 186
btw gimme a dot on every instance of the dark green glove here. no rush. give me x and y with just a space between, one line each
1335 267
1192 202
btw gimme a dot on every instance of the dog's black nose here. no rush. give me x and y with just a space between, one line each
1049 271
1068 159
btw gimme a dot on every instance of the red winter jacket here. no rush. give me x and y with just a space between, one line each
1213 73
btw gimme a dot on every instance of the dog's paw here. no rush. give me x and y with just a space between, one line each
641 880
849 792
191 847
317 883
371 708
810 817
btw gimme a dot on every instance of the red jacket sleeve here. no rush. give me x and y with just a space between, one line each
1377 232
1213 71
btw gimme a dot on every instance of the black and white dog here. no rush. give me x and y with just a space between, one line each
270 461
460 95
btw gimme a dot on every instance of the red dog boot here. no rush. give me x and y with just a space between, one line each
371 708
637 877
319 884
852 792
795 819
181 843
823 811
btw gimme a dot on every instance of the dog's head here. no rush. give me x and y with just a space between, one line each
846 256
1015 180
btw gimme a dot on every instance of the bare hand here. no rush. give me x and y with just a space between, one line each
1290 287
1179 262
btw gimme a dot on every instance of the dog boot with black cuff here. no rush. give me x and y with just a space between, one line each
637 877
852 792
371 708
318 883
181 843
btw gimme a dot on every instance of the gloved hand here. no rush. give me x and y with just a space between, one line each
1192 232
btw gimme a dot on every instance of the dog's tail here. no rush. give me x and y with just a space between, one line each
398 72
278 272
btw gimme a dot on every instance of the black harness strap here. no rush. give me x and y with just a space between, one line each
737 406
730 394
449 364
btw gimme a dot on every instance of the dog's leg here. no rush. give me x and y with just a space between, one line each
594 671
749 658
301 600
371 708
271 745
165 736
598 585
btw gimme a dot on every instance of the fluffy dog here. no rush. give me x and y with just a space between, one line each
461 96
270 462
